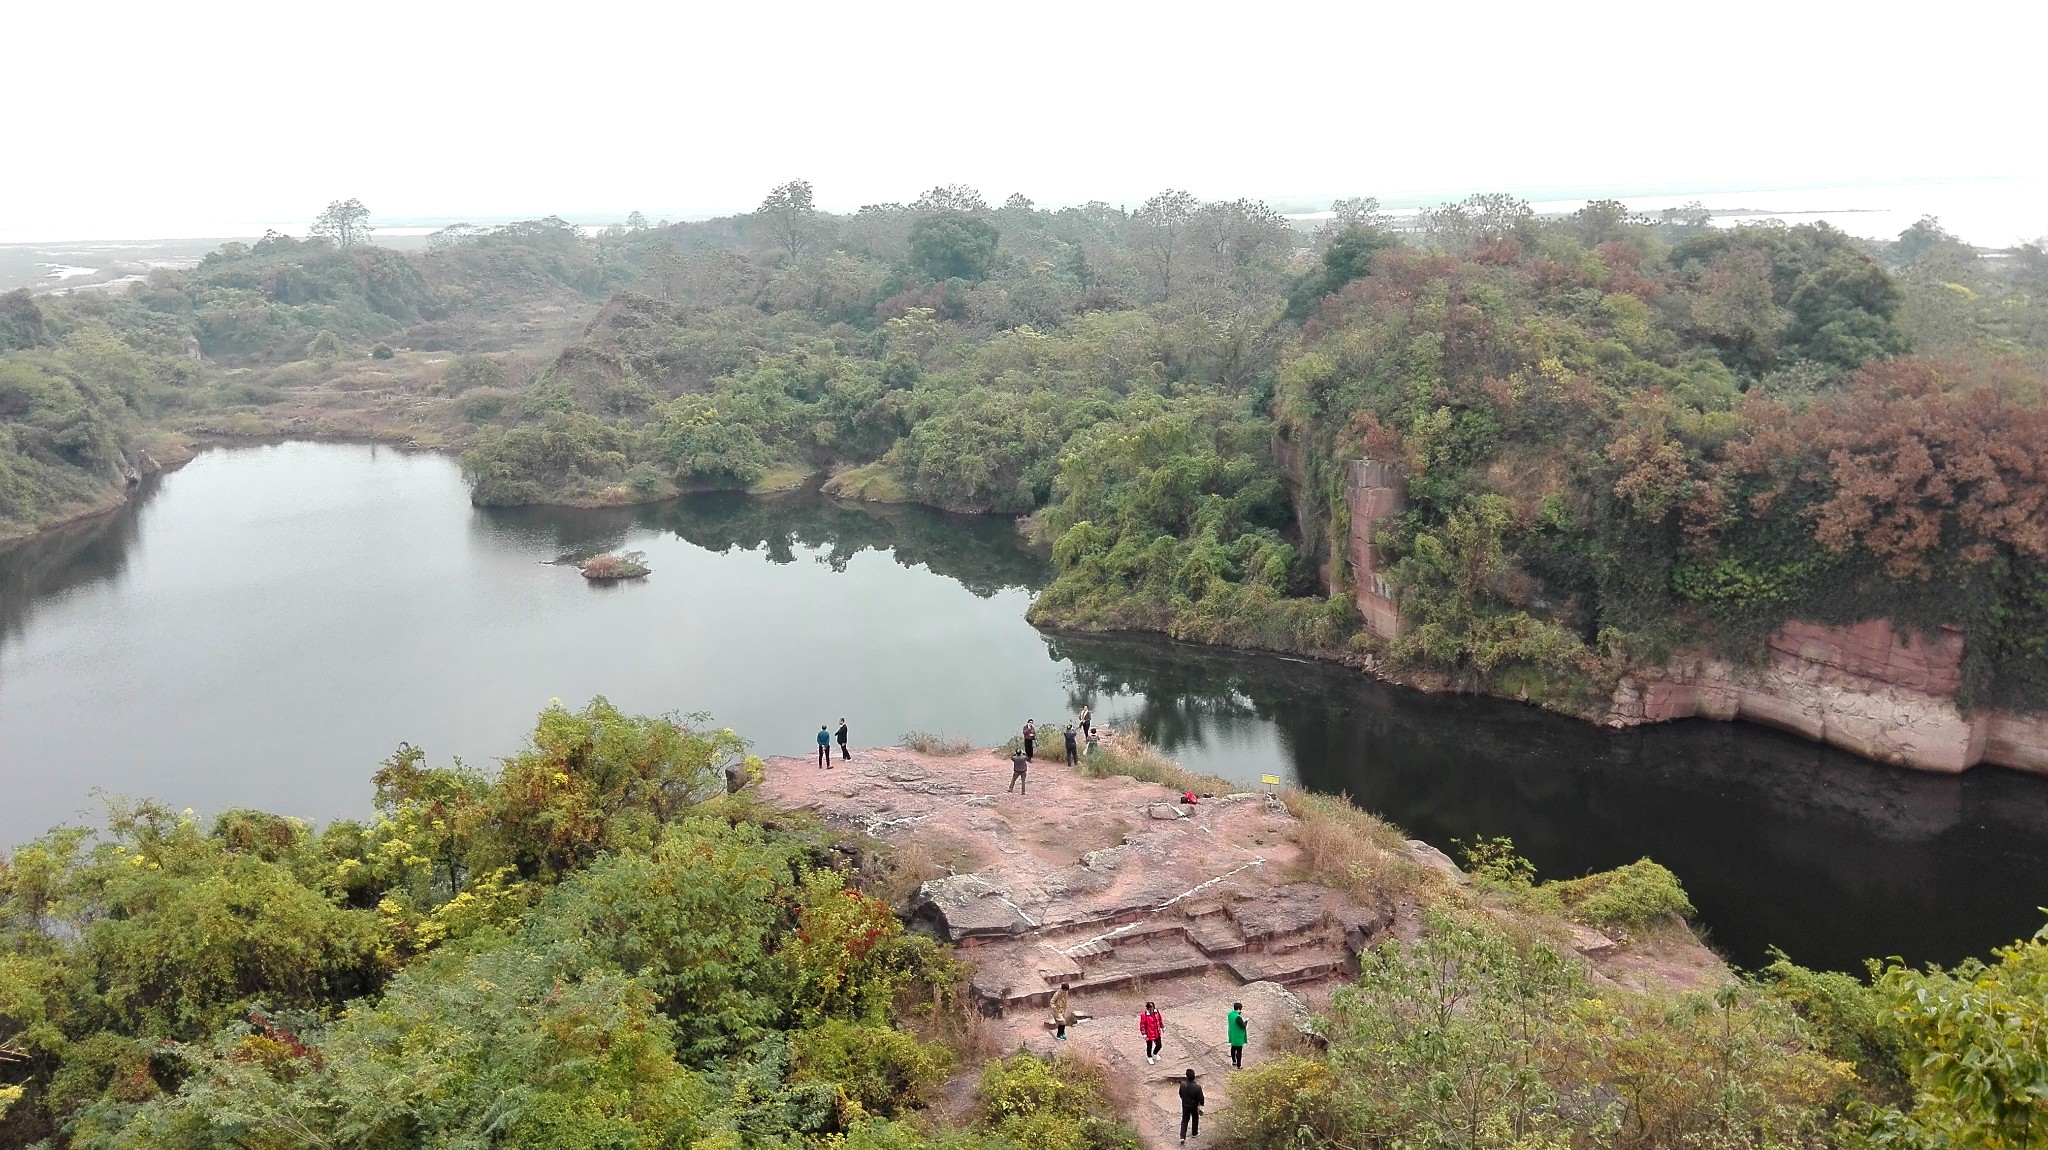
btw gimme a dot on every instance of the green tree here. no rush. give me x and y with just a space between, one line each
1160 227
952 244
346 223
1977 1052
790 218
1347 257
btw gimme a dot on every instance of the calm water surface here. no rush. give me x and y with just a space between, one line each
270 622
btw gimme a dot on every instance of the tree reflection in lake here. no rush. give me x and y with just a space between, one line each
983 553
74 555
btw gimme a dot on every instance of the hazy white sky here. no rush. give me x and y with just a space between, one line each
207 118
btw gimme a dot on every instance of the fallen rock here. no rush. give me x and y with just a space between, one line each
1436 860
1590 942
966 905
1165 811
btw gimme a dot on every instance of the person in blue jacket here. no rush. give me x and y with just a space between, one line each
824 747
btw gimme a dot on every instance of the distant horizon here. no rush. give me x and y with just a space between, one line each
1646 197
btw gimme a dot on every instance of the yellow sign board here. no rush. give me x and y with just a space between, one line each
1270 780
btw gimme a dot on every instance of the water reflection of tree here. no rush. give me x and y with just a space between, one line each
982 553
67 557
1188 696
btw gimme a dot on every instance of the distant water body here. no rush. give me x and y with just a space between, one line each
266 624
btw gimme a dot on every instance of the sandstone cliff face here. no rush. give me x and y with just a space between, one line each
1372 493
1864 688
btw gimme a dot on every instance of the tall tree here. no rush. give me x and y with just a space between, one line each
1162 226
951 198
668 263
345 222
791 219
953 245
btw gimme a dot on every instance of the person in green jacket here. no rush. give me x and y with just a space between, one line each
1235 1019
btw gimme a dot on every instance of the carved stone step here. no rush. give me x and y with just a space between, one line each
1297 966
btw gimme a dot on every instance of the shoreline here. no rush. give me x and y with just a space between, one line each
179 450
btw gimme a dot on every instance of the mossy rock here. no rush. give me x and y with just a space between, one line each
874 483
779 479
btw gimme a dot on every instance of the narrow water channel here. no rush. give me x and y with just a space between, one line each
269 622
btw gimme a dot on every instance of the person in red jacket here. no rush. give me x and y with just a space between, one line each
1152 1025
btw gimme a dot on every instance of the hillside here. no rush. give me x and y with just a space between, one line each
1611 442
598 945
283 336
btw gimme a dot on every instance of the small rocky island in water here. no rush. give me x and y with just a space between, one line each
612 568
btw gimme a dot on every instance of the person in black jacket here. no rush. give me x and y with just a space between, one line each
1191 1101
1073 747
841 735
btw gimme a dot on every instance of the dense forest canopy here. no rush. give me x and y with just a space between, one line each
1621 437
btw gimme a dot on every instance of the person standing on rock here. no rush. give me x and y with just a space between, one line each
840 734
1030 739
1235 1019
1018 783
1152 1025
824 747
1073 747
1191 1102
1060 1017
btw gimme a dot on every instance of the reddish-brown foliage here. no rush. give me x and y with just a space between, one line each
1624 270
1914 449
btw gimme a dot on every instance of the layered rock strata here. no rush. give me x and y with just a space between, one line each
1865 688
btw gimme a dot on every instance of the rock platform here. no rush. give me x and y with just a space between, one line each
1112 887
1102 884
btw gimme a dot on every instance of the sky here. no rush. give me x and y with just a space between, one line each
209 117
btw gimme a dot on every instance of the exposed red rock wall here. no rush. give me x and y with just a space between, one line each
1372 492
1865 688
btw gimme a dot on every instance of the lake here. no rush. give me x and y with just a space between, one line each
262 627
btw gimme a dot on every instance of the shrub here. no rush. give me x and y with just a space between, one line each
927 743
881 1070
1977 1045
1850 1019
382 351
1050 1104
467 372
484 403
1637 895
1286 1103
1466 1038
